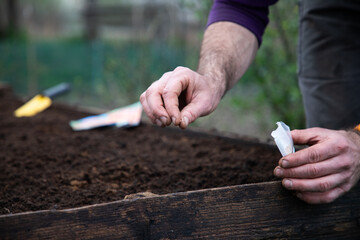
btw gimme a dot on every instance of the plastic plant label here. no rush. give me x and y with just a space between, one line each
128 116
283 139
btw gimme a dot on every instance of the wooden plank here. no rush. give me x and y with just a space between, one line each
253 211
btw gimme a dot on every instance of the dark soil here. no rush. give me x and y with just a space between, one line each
45 165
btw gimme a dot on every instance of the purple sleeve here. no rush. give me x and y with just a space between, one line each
251 14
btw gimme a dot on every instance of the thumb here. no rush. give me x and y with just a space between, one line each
192 111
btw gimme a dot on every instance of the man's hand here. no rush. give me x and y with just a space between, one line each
161 102
183 95
324 171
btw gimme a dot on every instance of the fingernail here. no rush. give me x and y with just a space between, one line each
284 163
299 195
173 119
158 122
287 183
279 172
186 121
163 120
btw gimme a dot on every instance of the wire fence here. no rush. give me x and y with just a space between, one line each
104 74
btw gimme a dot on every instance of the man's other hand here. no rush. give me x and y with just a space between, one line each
324 171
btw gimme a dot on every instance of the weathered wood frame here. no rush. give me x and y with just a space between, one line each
251 211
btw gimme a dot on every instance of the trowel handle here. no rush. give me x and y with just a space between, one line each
57 90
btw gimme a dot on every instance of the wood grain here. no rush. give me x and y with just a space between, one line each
254 211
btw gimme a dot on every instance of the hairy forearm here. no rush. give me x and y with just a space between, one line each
227 51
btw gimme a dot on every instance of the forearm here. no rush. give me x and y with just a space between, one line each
226 53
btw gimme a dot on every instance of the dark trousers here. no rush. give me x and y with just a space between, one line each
329 62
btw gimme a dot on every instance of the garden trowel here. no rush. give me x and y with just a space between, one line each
41 101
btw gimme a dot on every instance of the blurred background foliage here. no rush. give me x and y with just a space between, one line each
112 50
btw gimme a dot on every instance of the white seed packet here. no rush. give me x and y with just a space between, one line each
283 139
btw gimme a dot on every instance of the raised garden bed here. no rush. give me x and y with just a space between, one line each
56 183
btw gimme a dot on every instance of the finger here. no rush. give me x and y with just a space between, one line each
156 107
155 102
323 197
309 136
321 184
314 170
174 87
314 154
146 107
